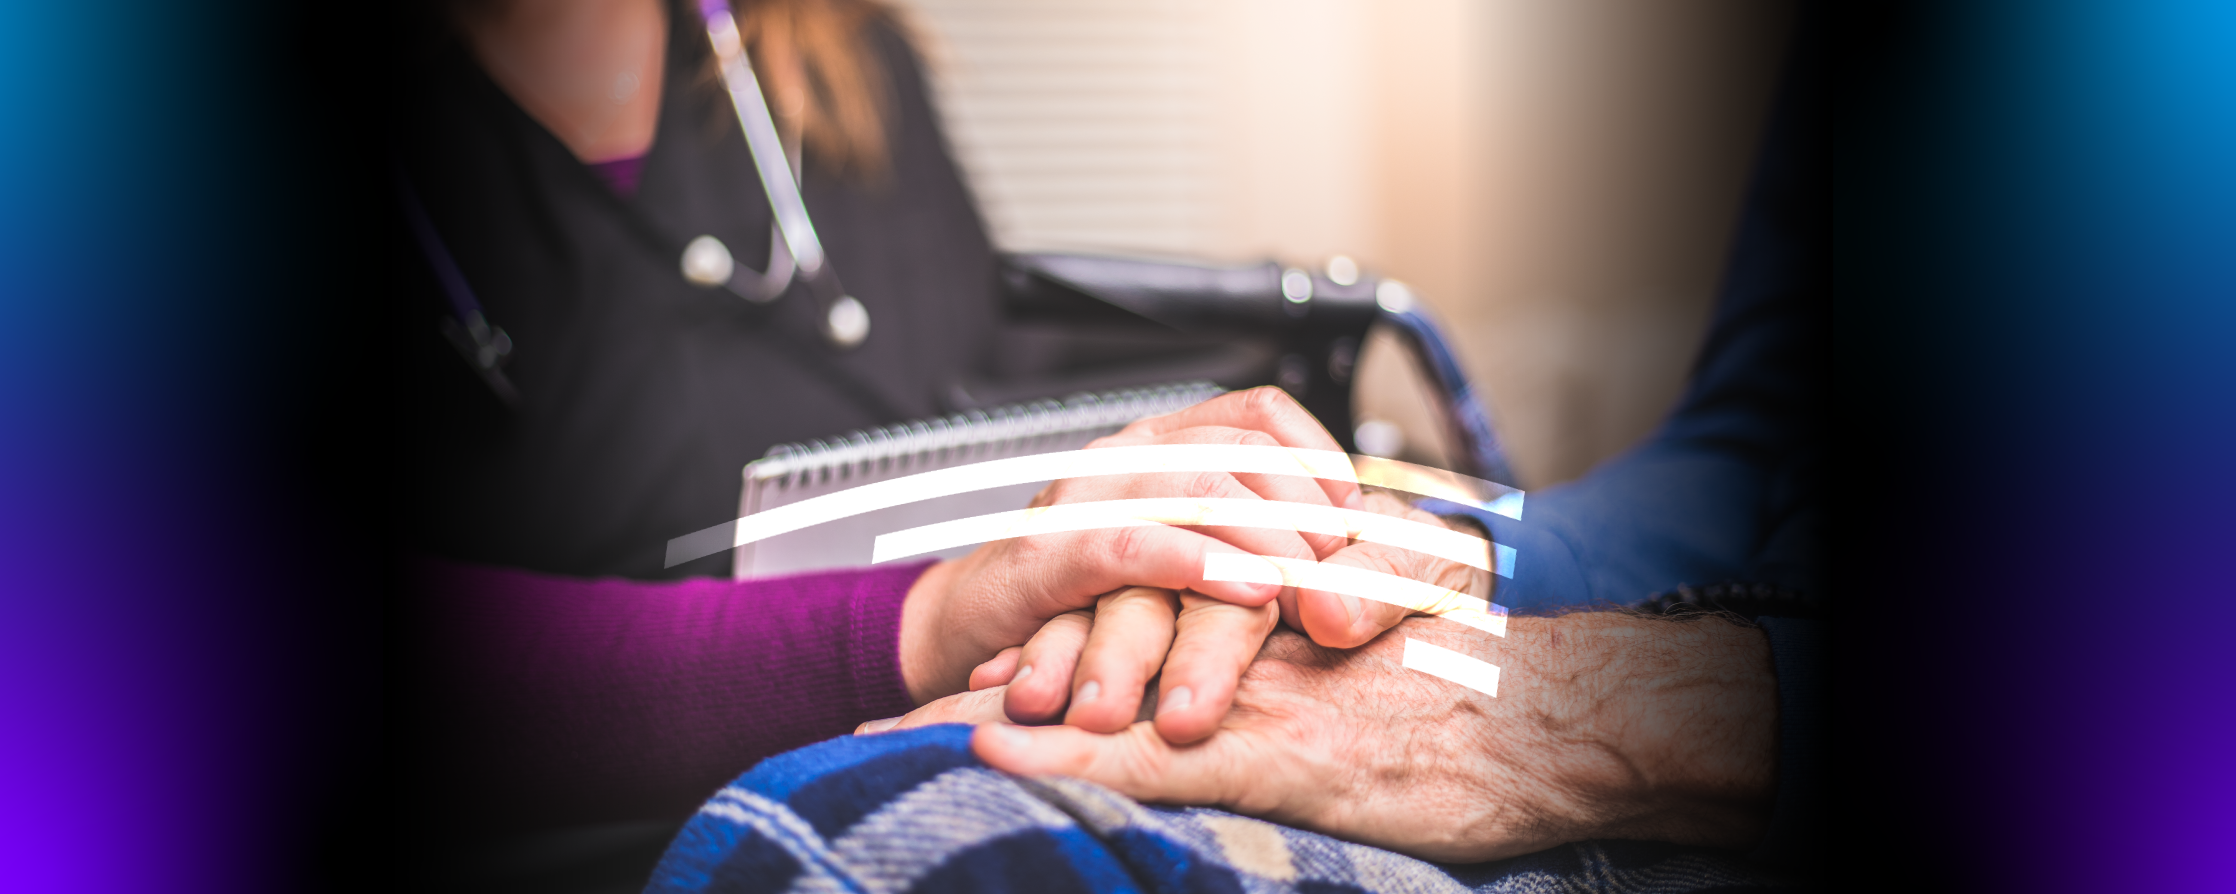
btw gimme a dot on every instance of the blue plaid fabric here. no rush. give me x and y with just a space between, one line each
914 811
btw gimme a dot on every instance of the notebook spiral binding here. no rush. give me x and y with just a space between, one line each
959 437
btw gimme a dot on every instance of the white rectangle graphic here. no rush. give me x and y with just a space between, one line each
1426 598
1130 460
1355 524
1466 670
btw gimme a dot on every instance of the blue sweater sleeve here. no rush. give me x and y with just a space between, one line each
1728 489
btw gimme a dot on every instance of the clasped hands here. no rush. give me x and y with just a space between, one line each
1605 724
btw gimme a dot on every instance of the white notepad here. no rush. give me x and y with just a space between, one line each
795 472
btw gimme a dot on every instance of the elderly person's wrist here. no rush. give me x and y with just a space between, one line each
1671 725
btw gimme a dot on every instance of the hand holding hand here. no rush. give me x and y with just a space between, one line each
961 614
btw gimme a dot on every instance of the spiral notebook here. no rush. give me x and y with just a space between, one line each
794 472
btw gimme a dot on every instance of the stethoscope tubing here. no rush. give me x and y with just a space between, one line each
844 321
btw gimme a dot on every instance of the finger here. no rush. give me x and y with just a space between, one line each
1042 683
998 670
1269 410
1274 541
1344 620
1106 559
1135 762
1341 620
983 706
1214 642
1280 488
1132 630
1299 488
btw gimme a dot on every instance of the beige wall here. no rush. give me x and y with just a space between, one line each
1558 179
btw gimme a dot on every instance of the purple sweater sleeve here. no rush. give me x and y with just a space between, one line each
578 699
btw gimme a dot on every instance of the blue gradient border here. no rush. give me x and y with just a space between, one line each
174 701
2036 250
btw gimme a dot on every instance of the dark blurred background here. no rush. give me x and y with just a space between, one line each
2033 218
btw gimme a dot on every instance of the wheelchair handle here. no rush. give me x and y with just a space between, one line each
1321 325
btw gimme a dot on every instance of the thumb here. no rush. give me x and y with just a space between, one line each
1135 762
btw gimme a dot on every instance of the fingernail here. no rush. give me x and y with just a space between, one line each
1350 608
879 726
1177 700
1013 737
1088 693
1357 500
1022 673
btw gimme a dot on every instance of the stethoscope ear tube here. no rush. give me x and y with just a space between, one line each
486 347
845 322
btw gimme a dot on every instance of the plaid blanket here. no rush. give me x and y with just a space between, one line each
914 811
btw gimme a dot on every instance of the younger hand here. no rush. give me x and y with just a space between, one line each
960 614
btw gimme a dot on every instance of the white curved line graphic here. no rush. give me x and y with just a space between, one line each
1426 598
1458 667
1355 524
1133 460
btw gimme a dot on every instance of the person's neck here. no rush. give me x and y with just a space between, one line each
589 71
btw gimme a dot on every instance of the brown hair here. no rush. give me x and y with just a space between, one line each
824 80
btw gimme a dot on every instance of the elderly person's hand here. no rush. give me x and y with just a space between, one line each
1605 725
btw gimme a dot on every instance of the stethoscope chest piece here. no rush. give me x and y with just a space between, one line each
707 262
848 322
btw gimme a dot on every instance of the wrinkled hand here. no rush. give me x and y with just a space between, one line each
1605 725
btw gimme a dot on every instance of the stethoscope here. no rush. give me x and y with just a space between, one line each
794 245
794 250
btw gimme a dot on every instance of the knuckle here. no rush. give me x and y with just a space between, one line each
1455 576
1208 484
1249 437
1212 434
1256 438
1129 547
1151 601
1140 761
1073 623
1032 551
1267 400
1377 557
